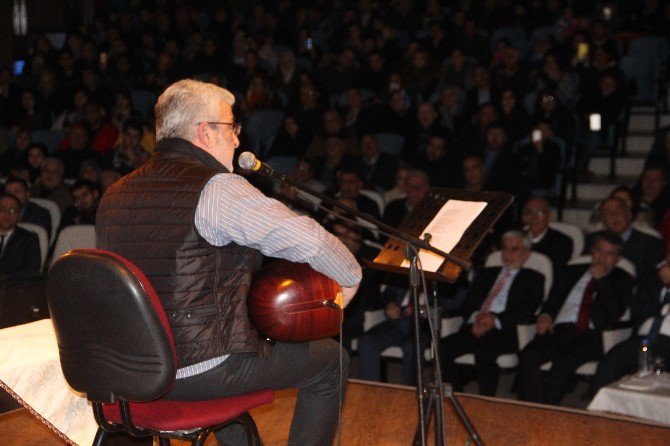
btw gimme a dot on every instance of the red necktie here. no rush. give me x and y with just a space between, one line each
497 288
584 315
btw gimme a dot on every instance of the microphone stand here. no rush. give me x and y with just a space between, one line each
430 398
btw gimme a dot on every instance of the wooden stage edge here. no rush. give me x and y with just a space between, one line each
385 414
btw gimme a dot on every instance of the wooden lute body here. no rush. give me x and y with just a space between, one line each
291 302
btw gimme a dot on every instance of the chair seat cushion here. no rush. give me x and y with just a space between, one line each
167 415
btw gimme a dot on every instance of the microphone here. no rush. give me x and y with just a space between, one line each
248 161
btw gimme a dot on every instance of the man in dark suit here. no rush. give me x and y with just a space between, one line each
380 168
396 330
499 299
441 163
644 250
650 315
349 185
19 249
555 245
501 160
30 212
584 300
417 186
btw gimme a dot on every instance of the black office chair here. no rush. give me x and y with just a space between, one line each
116 347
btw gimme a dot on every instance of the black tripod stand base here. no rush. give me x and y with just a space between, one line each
434 410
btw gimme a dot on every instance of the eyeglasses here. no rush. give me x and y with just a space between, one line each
539 212
8 210
236 126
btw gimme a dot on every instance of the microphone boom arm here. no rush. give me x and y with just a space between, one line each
265 170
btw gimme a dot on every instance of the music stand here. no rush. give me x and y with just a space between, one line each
391 259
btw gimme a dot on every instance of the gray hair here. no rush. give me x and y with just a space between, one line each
517 234
186 102
420 174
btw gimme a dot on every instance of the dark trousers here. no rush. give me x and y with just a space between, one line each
622 360
312 367
379 338
485 349
567 349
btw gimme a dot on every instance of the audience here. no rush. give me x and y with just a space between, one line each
649 313
500 298
645 251
85 196
430 73
19 248
30 211
584 300
51 183
536 215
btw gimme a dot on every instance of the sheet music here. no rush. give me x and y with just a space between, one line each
446 229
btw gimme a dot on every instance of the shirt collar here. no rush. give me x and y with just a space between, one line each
539 238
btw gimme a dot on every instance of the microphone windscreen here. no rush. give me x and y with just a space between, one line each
247 160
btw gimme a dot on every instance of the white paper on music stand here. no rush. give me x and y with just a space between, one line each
446 229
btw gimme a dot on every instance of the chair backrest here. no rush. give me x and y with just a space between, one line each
623 263
114 340
376 197
646 229
536 261
261 129
73 237
572 231
41 237
54 213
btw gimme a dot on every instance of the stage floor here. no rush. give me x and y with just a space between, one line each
383 414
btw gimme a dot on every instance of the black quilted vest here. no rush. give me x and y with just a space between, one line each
148 217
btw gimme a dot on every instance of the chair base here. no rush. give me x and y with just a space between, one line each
197 437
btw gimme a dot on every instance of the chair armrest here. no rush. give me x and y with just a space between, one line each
450 325
614 337
525 333
372 318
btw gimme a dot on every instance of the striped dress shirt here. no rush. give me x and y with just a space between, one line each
231 210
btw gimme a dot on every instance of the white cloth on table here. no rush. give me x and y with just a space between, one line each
30 367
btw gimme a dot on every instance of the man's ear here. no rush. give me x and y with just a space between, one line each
203 134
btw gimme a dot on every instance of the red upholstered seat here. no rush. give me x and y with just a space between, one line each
165 415
129 356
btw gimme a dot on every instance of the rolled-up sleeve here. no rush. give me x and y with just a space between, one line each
232 210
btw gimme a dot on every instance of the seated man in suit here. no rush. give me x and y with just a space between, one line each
644 250
650 315
19 249
30 212
417 187
86 196
350 182
499 299
557 246
396 330
584 300
380 167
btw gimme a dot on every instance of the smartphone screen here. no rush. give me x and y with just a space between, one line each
18 67
583 50
537 135
594 122
607 13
